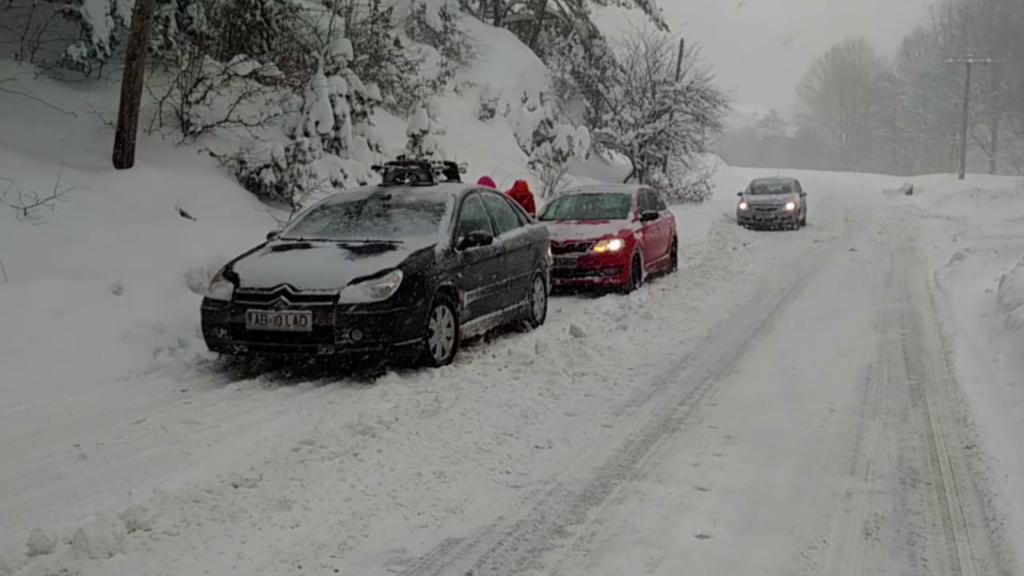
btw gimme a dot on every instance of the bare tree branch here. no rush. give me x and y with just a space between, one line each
33 98
25 204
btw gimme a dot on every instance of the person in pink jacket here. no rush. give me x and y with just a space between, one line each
487 181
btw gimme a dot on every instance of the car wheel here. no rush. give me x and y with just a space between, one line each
537 311
673 264
636 275
803 219
442 337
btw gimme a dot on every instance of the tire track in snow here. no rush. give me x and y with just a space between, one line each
649 420
909 436
954 497
850 531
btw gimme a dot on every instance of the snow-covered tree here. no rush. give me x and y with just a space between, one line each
530 18
101 23
533 121
649 117
552 158
839 95
490 100
425 132
437 26
773 125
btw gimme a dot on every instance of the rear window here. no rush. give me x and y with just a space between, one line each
589 207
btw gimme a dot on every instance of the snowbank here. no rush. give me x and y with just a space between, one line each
101 284
974 229
1010 297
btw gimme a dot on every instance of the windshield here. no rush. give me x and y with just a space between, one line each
588 207
383 215
770 188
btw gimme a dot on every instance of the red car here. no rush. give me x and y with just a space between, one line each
610 236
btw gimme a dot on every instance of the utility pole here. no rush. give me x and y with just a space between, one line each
679 59
127 130
968 63
679 75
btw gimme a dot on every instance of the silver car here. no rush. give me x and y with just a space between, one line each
779 203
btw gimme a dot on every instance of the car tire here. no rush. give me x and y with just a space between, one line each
636 275
537 307
673 254
442 332
803 220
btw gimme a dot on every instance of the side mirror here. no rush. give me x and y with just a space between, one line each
740 194
803 194
475 239
649 215
273 234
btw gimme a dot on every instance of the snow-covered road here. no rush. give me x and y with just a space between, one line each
782 405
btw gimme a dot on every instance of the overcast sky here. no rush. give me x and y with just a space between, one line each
760 48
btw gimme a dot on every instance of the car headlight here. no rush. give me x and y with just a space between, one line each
610 245
790 205
220 288
376 290
744 205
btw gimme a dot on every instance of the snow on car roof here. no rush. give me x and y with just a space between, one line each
438 191
774 180
602 189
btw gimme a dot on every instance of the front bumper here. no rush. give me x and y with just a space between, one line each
590 270
337 330
776 216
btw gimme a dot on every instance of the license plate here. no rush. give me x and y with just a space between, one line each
566 261
279 321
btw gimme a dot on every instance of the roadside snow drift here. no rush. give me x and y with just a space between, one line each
1011 297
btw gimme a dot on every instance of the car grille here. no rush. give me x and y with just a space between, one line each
570 247
765 207
285 297
282 297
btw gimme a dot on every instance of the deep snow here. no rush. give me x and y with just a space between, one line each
128 450
978 243
108 395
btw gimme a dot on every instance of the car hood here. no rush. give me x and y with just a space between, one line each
772 199
319 265
587 230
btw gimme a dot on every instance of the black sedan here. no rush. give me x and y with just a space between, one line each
399 272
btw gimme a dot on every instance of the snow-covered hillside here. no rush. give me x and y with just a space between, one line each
107 279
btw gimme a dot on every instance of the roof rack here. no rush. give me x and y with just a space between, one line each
405 171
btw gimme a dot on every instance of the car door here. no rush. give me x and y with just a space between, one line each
517 246
479 273
803 197
650 235
665 227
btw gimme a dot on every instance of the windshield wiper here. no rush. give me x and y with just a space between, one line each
339 241
301 239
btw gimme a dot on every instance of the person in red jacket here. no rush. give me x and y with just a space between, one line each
520 192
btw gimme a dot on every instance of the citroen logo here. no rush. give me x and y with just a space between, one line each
280 303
